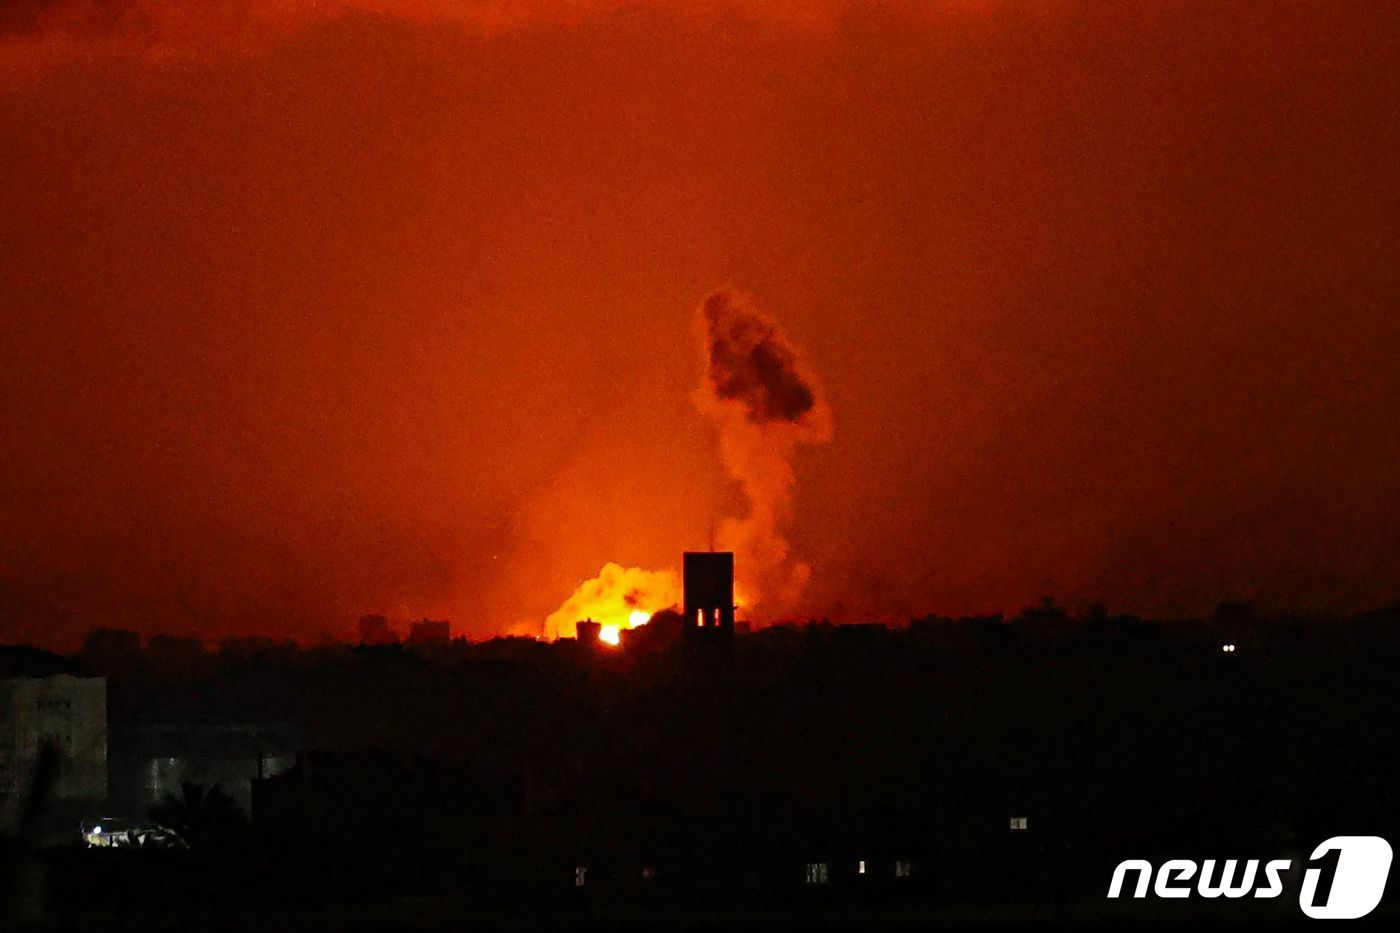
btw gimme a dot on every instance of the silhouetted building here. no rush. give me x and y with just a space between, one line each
430 632
662 631
111 649
47 699
171 651
374 630
251 646
709 589
588 632
153 759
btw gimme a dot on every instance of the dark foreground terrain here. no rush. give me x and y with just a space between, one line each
516 785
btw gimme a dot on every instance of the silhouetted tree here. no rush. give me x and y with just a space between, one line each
201 816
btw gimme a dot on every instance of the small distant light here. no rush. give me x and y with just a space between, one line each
97 830
861 869
1228 648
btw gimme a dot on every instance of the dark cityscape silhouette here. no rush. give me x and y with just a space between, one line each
983 769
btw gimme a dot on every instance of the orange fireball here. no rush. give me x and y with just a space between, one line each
618 598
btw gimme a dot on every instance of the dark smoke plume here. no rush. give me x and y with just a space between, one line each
750 362
765 401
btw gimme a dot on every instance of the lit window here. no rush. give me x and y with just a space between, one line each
580 876
817 873
1019 822
903 869
860 868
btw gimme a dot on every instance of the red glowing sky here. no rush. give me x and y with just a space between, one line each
390 308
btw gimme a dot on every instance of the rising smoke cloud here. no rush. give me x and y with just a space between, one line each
766 402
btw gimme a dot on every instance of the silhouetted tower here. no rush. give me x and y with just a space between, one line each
709 590
587 632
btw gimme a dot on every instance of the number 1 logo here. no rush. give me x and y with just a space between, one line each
1345 878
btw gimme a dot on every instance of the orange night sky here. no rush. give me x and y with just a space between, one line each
312 310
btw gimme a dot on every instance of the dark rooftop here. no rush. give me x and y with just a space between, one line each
26 661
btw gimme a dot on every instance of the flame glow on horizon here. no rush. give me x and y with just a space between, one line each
618 598
765 401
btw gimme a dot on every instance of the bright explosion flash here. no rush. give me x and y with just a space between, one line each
612 634
618 598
